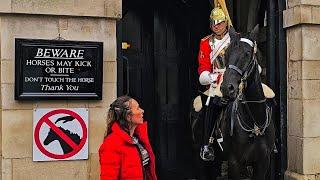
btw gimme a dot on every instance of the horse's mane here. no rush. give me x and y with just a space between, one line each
234 42
69 133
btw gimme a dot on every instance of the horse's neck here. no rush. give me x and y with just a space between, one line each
254 89
254 92
65 146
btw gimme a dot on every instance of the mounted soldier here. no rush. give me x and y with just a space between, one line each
211 65
208 106
213 46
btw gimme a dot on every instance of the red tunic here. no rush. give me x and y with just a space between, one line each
204 57
120 158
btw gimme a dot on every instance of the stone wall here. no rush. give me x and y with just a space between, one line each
81 20
302 22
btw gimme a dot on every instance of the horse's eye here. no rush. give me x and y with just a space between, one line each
247 54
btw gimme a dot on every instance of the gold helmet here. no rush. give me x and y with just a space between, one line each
220 13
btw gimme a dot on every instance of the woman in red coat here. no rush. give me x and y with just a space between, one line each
126 152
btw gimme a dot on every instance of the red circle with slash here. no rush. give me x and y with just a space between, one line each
45 120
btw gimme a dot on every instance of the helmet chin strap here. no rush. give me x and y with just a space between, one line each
222 35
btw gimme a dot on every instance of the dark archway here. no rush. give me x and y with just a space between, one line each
160 70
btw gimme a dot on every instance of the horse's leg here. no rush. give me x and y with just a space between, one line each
261 165
209 170
233 168
260 169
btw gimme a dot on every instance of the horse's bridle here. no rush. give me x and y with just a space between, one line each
240 98
248 70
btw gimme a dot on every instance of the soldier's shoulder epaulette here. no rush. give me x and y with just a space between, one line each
207 37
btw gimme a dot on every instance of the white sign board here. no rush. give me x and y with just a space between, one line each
60 134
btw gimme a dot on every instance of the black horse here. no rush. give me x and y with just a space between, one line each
248 129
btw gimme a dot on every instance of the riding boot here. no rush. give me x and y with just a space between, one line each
212 113
210 170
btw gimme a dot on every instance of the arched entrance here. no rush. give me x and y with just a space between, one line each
160 70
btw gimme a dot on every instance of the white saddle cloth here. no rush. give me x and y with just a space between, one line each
197 103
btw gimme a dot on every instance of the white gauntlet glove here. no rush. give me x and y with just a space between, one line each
213 79
207 78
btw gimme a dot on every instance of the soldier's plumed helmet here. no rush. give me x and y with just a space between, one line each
217 16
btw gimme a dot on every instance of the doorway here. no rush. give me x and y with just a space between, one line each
159 69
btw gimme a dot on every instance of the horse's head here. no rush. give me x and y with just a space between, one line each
240 62
50 137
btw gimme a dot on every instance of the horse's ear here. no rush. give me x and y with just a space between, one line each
232 33
254 33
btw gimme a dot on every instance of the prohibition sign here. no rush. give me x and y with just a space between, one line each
45 120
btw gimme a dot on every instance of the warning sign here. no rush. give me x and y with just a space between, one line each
60 134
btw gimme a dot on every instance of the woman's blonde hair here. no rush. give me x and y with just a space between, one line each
118 112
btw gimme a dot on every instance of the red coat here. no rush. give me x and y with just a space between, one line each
204 55
120 158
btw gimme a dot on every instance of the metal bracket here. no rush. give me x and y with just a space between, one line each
59 38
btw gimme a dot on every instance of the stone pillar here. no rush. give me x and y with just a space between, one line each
302 22
80 20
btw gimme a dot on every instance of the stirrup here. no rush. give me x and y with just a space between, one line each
207 153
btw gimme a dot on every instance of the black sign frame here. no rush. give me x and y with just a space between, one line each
22 94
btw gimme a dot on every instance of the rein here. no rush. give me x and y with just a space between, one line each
256 130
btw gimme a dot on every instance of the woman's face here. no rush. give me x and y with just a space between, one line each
136 116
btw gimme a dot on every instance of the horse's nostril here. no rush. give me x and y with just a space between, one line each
230 87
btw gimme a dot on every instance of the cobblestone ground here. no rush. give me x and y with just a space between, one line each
245 173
